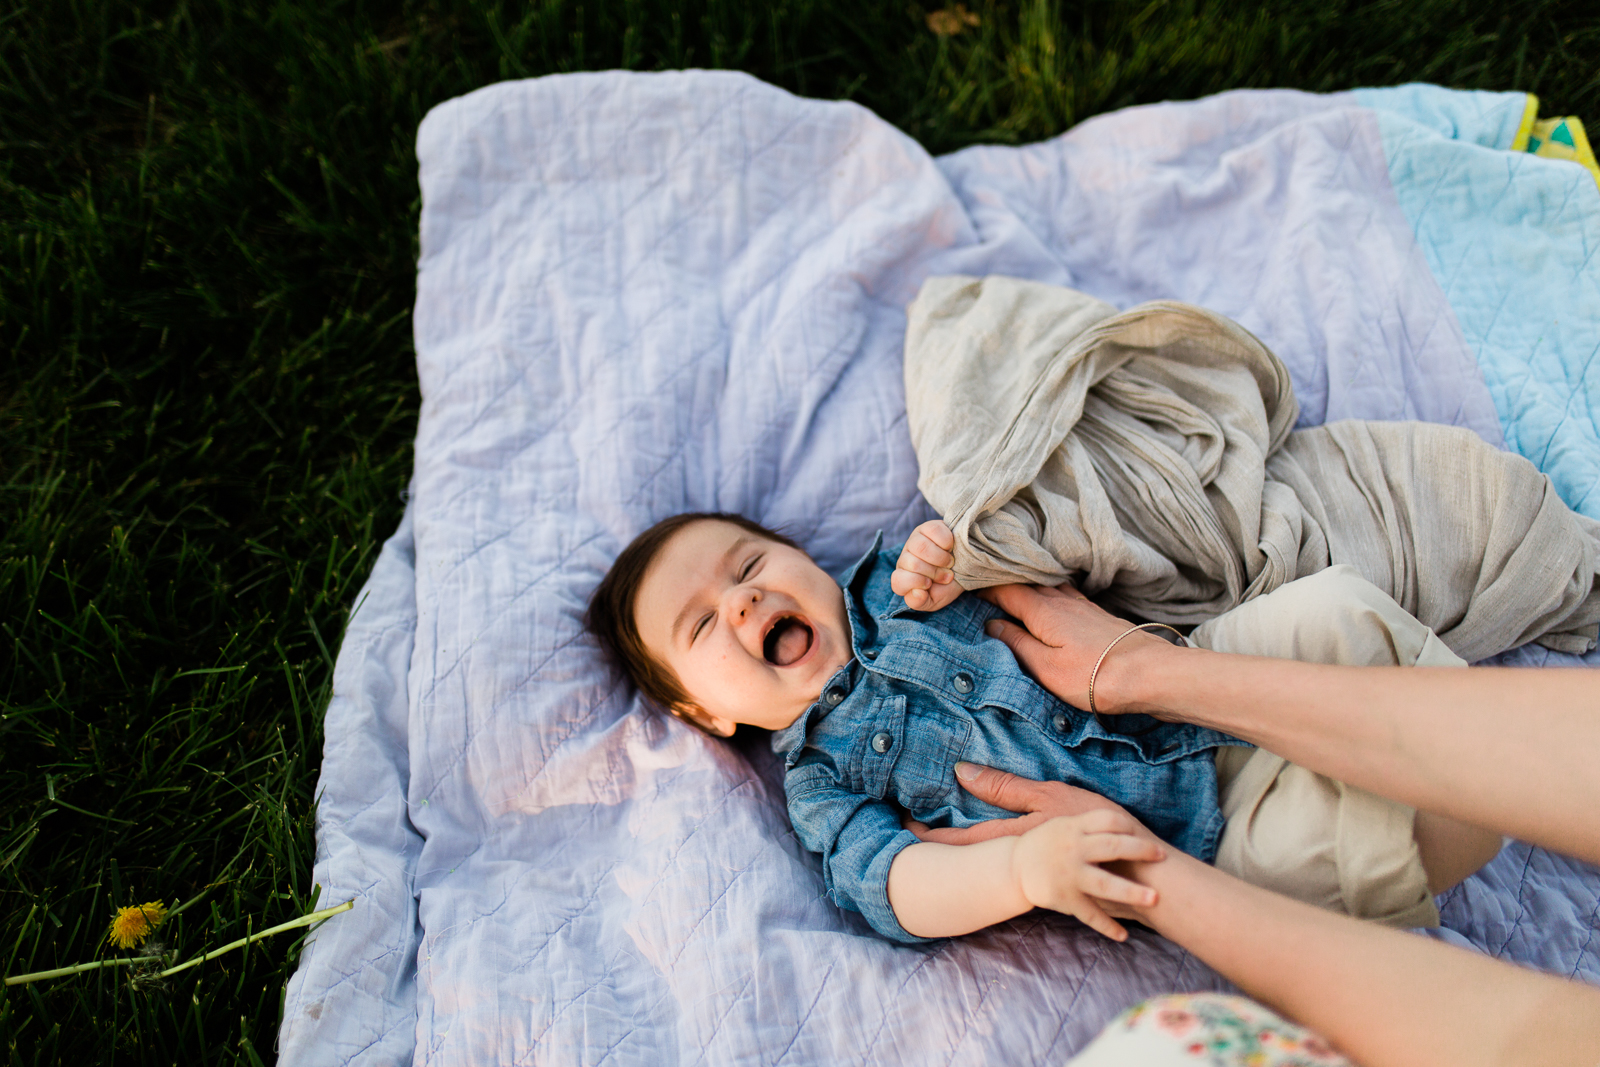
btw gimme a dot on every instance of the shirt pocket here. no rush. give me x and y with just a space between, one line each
879 746
925 775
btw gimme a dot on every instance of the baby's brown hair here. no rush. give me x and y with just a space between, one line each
611 615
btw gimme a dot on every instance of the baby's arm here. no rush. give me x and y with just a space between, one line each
922 573
946 890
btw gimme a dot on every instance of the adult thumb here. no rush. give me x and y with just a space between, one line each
1021 643
1000 788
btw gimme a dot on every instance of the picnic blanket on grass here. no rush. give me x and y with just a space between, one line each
643 294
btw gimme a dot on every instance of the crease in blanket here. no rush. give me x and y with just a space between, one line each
1151 457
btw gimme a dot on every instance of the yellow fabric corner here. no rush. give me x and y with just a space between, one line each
1530 111
1563 138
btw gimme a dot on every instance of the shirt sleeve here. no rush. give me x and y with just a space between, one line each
858 838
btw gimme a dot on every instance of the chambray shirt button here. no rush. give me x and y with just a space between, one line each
1059 721
872 653
833 696
882 741
963 682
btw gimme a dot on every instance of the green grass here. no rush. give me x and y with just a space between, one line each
207 396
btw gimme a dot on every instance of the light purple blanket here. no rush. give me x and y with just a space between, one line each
642 294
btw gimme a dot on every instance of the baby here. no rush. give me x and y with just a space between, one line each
877 687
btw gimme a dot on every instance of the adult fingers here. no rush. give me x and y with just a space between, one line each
983 831
1032 655
1027 648
1018 601
1004 789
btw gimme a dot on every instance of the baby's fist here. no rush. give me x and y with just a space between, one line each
922 574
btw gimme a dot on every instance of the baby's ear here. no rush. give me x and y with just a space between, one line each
711 724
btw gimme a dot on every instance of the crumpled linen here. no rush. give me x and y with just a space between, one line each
1150 456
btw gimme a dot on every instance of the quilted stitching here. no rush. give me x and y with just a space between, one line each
646 293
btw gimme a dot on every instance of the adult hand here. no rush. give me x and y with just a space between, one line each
1037 802
1062 636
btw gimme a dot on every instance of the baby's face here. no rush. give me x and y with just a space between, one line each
752 628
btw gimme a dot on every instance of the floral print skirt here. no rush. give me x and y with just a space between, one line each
1205 1030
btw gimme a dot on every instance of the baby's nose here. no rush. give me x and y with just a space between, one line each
750 599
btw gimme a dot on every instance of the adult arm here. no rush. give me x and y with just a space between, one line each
1383 996
1510 750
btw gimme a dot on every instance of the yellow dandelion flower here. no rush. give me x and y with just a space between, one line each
132 925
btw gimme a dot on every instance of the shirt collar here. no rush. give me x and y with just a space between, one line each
789 741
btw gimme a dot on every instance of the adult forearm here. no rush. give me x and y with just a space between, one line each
1528 741
949 890
1383 996
1508 750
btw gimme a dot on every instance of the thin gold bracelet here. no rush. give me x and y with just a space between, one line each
1094 673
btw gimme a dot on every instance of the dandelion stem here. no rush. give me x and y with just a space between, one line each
62 972
304 920
78 968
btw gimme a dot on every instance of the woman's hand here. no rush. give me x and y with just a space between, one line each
1062 636
922 574
1035 802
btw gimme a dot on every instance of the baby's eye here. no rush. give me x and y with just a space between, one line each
699 627
749 568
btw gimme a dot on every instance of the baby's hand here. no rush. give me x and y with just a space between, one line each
1056 866
922 573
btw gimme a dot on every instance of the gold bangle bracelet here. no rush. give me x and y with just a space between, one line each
1094 673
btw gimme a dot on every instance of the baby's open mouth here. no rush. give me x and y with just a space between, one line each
789 639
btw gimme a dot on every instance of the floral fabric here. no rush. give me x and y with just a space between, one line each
1205 1030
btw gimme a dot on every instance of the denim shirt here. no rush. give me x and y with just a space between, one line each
927 689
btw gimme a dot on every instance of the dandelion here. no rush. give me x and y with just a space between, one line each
952 20
132 925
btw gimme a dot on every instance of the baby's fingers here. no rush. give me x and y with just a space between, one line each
1095 918
915 564
904 580
1101 883
1106 848
935 531
926 588
925 548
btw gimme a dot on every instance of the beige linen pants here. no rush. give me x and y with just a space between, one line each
1300 833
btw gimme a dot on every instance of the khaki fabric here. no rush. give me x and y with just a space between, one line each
1150 456
1301 833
